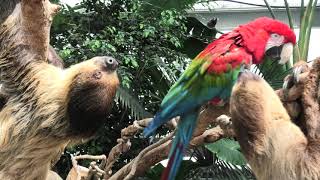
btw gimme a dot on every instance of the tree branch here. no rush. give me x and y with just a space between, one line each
159 151
124 143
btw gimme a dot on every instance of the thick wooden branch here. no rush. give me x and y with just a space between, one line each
136 162
124 143
152 157
159 151
222 129
79 172
208 116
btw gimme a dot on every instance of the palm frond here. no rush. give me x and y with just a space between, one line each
272 72
221 170
128 101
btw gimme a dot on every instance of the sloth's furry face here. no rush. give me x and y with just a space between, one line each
91 94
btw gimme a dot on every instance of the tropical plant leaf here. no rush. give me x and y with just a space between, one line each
128 101
218 170
309 21
227 150
221 170
154 173
199 38
307 17
272 72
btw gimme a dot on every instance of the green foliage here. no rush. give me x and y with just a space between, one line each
221 170
272 72
150 43
305 29
145 41
124 97
155 172
227 150
200 37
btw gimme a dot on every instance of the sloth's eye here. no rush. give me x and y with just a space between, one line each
110 61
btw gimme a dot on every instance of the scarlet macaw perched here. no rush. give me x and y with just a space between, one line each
212 74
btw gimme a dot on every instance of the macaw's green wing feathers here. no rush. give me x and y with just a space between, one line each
210 75
191 93
188 76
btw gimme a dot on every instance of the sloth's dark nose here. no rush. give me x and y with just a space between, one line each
110 62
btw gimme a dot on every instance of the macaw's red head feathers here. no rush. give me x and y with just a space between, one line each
275 26
266 36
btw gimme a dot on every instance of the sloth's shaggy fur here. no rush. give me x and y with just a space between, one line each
48 107
273 145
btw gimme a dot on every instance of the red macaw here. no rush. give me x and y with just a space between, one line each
212 74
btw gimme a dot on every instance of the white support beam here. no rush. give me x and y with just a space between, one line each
231 18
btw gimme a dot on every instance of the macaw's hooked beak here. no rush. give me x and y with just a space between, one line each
281 53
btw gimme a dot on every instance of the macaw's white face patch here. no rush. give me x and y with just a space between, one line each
277 49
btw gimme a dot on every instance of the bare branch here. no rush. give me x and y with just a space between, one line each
79 172
142 154
124 143
159 151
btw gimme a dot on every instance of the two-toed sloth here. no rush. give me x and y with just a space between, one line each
273 145
48 107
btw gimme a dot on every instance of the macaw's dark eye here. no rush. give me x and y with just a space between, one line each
275 52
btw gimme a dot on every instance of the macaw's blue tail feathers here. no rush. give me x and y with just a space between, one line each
170 108
153 126
183 135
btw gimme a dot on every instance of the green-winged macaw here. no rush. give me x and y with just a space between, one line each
212 74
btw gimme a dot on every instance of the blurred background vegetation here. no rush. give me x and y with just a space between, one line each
154 41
